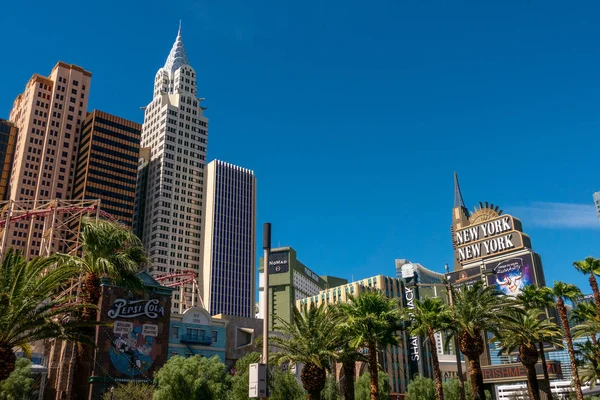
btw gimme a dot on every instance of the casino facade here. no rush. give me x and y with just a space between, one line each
491 247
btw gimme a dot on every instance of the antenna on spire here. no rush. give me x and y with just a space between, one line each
458 199
179 31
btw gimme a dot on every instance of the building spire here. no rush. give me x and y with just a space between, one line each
177 56
458 199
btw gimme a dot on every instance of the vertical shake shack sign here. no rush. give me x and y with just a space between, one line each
490 238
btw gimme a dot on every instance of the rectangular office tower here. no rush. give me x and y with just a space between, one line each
228 276
175 130
8 136
48 115
106 169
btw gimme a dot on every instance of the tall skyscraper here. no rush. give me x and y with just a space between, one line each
48 116
176 131
106 169
228 276
8 136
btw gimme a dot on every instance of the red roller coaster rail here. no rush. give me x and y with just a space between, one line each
186 277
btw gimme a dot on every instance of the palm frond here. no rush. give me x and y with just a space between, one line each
33 305
526 329
308 337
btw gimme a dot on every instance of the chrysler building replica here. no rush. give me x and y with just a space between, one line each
170 218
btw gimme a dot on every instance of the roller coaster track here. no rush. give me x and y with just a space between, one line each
57 224
59 210
180 279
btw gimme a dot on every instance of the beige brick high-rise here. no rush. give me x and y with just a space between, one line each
48 116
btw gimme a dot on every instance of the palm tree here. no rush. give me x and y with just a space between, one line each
523 330
591 266
476 309
109 251
33 306
308 339
587 325
347 355
374 321
586 318
562 291
590 365
428 317
532 297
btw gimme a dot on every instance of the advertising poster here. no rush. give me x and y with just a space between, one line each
465 277
510 276
134 343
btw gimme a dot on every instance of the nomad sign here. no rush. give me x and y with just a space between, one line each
489 238
279 262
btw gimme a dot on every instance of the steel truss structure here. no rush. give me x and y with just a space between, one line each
60 219
60 222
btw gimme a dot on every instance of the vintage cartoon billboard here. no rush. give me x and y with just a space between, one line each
134 343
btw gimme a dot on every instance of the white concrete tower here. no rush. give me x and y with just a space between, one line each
176 131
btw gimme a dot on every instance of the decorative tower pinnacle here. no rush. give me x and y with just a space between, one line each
177 56
458 199
460 217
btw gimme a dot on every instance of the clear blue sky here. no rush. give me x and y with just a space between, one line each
354 115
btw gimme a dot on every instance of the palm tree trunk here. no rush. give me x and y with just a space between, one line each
532 384
437 374
313 380
594 286
473 347
476 376
547 389
374 371
314 395
349 367
90 293
7 362
562 312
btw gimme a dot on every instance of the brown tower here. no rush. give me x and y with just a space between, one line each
107 163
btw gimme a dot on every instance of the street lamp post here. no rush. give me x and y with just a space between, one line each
267 249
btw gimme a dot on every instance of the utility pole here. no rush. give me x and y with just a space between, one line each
461 383
267 250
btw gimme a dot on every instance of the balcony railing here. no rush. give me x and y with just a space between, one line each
196 339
